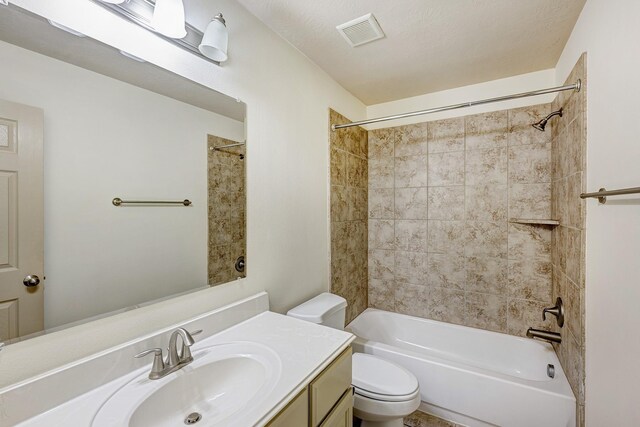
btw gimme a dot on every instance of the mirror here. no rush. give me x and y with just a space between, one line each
81 125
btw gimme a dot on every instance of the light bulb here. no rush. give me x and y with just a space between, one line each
168 18
215 40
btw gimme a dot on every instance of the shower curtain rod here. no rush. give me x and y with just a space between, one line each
576 86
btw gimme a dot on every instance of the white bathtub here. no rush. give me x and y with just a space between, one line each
471 376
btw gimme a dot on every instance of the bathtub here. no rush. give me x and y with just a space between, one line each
471 376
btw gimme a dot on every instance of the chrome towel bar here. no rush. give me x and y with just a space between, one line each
603 193
119 202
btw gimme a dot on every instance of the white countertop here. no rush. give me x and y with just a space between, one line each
304 349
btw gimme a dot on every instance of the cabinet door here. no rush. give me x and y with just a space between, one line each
342 414
329 386
296 413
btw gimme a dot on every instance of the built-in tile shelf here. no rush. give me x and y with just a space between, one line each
551 222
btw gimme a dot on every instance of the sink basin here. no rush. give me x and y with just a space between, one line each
220 387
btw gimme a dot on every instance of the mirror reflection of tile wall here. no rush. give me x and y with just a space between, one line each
227 202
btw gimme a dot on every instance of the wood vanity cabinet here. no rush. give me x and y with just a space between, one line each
326 402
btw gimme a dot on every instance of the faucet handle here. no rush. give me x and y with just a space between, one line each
185 354
557 310
158 362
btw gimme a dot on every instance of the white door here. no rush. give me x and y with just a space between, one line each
21 221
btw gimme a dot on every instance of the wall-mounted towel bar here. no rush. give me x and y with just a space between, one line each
603 193
119 202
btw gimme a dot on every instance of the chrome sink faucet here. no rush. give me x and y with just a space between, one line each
175 360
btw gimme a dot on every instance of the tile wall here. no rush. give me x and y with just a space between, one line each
569 142
227 202
348 172
440 242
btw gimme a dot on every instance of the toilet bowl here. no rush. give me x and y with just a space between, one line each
384 393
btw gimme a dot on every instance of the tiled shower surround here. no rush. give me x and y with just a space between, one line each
441 195
226 181
568 240
349 215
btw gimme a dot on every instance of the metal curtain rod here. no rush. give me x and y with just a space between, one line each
576 86
603 193
220 147
119 202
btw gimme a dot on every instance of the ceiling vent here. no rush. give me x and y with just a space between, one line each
361 30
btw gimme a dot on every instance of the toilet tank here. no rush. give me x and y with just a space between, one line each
325 309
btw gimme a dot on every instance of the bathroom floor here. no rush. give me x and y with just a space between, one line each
420 419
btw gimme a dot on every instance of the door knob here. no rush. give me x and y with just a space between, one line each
31 280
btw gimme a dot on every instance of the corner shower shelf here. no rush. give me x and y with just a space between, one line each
551 222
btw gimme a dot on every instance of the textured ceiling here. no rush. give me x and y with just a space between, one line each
430 45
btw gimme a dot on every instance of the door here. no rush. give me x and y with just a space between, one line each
21 221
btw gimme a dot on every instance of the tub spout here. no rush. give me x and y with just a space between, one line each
544 335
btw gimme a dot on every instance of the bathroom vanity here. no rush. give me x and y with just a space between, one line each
251 367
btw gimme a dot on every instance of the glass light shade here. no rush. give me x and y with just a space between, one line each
215 40
168 18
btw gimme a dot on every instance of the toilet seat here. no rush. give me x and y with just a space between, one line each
379 379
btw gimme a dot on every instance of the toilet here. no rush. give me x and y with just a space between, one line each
384 393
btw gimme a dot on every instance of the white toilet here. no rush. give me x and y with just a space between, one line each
385 393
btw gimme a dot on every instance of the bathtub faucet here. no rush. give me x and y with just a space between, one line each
544 335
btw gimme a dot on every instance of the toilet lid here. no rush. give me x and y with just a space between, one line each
382 380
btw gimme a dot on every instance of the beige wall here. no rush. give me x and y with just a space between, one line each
287 99
348 174
568 240
226 210
441 194
609 32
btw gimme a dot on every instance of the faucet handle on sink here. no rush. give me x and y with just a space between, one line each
158 362
185 354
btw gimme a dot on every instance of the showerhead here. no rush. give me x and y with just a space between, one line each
543 123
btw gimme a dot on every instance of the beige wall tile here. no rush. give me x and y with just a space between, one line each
356 171
446 169
530 163
357 203
487 130
381 203
530 201
381 142
411 140
338 167
412 299
411 203
520 120
441 300
530 279
381 234
446 135
381 173
411 267
573 302
485 239
382 294
447 270
484 167
486 202
487 275
411 235
523 315
529 241
381 264
339 203
445 236
411 171
575 256
486 311
446 203
576 207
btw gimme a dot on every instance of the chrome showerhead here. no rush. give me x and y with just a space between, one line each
543 123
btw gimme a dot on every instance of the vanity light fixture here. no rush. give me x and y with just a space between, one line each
215 40
168 18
